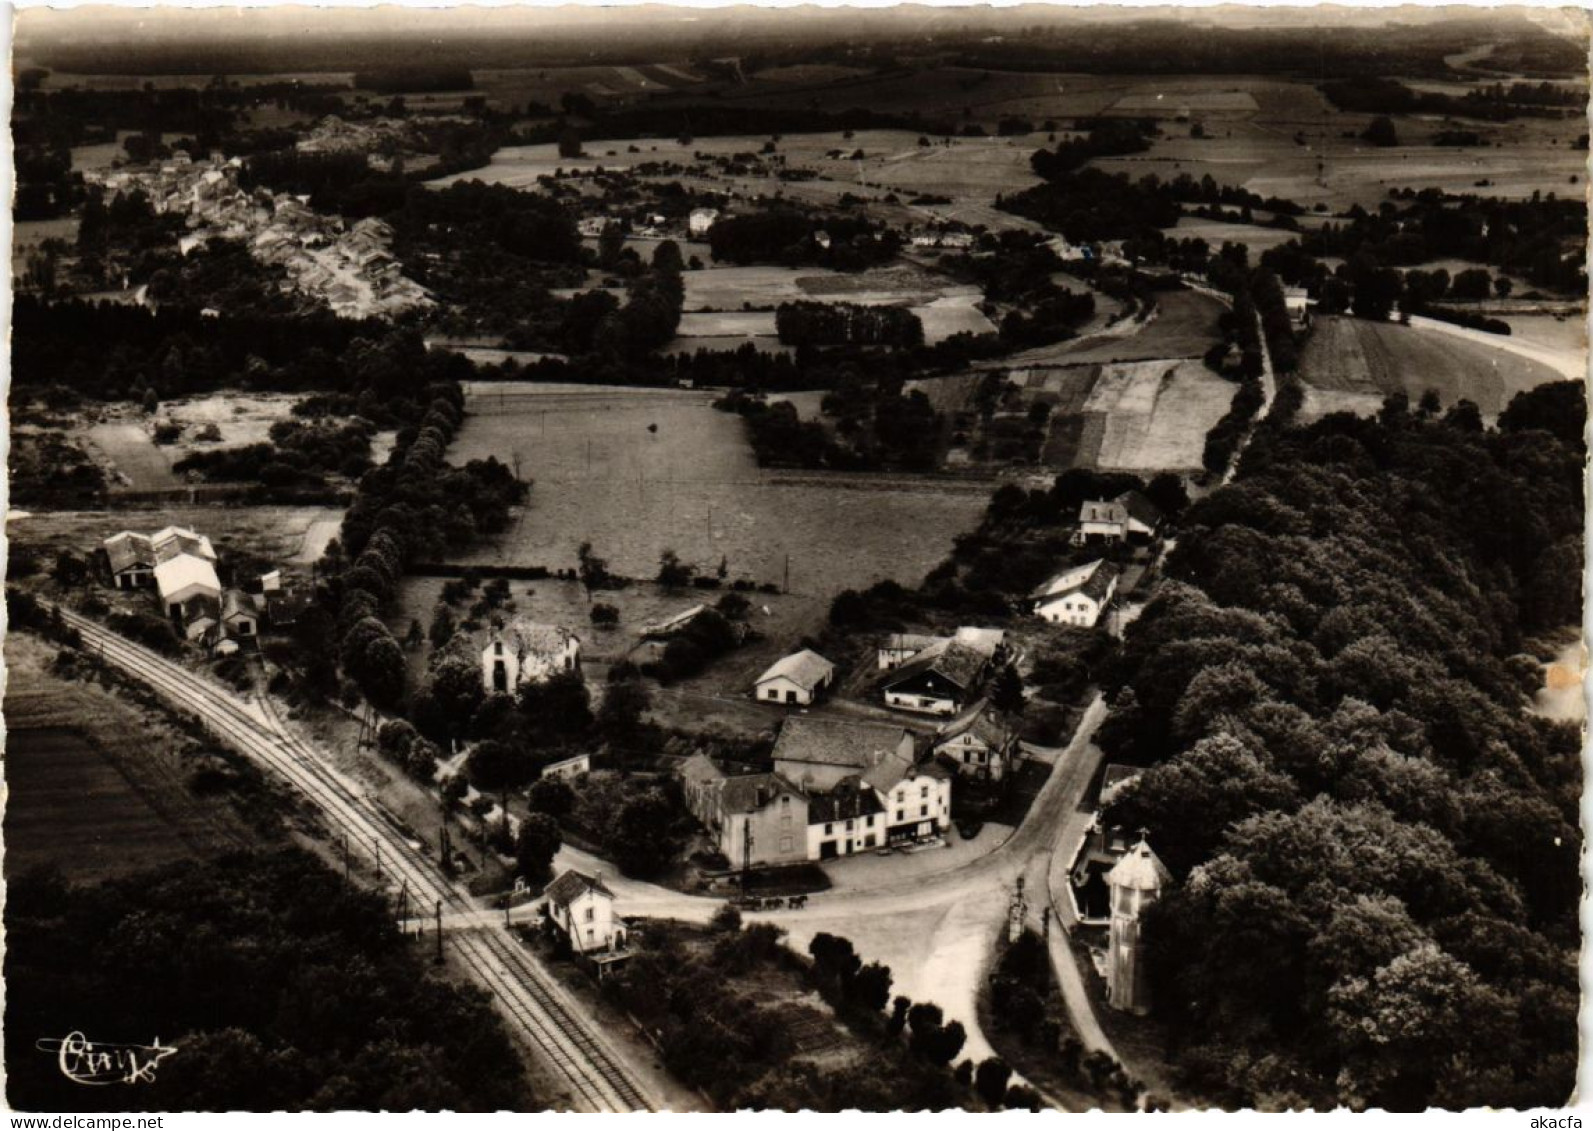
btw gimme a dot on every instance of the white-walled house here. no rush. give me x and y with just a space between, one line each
917 798
1130 517
527 653
845 821
798 678
581 908
183 577
938 681
702 220
1072 599
978 742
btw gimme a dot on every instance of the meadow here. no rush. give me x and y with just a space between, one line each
1350 364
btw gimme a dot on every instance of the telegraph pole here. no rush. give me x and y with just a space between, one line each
439 959
345 859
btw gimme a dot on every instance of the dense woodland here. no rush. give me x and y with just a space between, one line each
1331 695
281 987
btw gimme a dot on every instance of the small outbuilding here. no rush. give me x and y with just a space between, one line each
796 679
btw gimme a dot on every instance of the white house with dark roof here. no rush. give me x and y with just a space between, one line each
844 821
527 653
916 797
1078 595
798 678
581 908
939 681
979 743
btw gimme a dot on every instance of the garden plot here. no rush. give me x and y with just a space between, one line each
1154 415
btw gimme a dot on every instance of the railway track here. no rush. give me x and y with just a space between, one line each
538 1009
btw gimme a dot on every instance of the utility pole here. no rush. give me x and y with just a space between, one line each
786 588
439 959
746 852
378 860
345 860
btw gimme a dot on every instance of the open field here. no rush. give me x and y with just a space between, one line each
1184 326
1155 415
601 476
274 533
94 784
1218 232
1567 335
1352 364
130 456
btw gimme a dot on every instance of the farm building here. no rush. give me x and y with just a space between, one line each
701 221
798 678
238 615
568 768
979 742
818 753
1130 517
174 540
528 653
199 617
581 909
182 577
1077 596
130 559
672 625
1298 305
938 681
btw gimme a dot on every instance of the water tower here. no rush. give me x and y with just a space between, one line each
1136 881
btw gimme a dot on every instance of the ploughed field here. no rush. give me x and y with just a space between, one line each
635 471
1349 364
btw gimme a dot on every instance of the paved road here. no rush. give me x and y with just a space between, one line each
541 1014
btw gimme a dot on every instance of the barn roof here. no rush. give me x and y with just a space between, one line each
807 669
954 662
836 742
178 573
126 550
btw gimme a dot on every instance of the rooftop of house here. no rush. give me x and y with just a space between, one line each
807 669
1096 586
836 742
891 771
981 720
1139 508
847 801
910 642
173 540
526 638
235 602
127 549
571 885
200 605
953 661
699 769
751 792
178 573
982 640
1066 579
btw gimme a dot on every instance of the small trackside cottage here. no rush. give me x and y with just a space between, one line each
130 559
581 910
798 678
528 653
1077 596
818 753
938 681
979 742
1130 517
238 615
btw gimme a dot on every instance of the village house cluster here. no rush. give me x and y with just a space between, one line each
351 267
180 565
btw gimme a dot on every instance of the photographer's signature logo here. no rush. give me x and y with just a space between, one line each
83 1061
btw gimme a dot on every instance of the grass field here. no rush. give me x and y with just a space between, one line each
130 456
1184 326
95 785
1352 365
602 476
